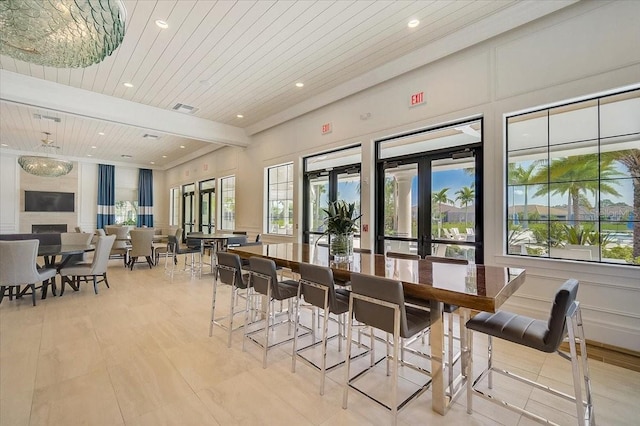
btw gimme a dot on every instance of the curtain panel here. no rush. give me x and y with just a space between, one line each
106 195
145 198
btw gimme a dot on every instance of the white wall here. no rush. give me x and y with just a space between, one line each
83 180
584 49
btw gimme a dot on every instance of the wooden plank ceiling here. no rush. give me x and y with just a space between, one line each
228 58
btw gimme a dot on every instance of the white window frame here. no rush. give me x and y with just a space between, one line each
286 228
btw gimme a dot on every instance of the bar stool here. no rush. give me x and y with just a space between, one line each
317 288
545 336
264 282
177 249
379 303
228 271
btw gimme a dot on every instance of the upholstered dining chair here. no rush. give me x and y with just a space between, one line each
228 271
141 245
98 266
121 244
18 268
565 320
75 238
379 303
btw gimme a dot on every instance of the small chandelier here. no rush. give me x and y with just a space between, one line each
61 33
45 166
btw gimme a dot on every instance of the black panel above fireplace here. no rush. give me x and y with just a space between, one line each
47 229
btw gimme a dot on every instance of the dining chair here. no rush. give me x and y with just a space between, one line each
379 303
18 268
74 238
565 320
317 288
164 249
98 266
121 244
141 245
264 282
228 271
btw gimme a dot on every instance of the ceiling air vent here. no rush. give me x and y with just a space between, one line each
46 117
150 136
186 109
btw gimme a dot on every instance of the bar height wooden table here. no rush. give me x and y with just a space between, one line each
477 287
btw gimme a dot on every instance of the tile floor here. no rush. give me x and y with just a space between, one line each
139 354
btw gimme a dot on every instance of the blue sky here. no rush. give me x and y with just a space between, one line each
452 179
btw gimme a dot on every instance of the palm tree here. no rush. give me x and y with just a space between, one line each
440 198
630 158
576 175
519 175
465 195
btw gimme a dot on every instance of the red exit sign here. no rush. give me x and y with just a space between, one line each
416 99
326 128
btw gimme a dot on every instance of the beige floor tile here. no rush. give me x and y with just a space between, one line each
66 330
18 372
184 412
202 367
145 383
68 360
15 408
87 399
246 400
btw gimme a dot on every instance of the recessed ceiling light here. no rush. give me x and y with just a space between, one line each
153 162
127 84
164 156
89 155
240 116
299 84
182 146
4 144
94 147
101 133
413 23
162 24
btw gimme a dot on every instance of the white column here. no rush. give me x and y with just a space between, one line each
404 180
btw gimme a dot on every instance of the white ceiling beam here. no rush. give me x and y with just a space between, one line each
35 92
507 19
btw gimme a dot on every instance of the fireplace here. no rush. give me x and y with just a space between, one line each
48 229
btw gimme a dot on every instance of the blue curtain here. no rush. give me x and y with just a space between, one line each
106 195
145 198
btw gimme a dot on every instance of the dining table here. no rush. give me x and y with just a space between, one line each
469 286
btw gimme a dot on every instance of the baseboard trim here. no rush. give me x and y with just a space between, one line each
610 354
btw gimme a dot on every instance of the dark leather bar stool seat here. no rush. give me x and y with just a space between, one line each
379 303
228 271
264 282
542 335
317 288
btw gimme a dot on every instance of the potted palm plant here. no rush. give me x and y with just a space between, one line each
340 224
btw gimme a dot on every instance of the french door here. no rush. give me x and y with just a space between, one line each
329 177
430 202
188 209
207 195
